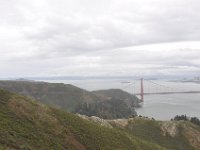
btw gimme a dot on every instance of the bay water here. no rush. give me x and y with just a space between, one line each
159 106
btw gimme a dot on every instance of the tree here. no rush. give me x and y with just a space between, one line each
195 120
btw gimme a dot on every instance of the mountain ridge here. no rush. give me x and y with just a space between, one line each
74 99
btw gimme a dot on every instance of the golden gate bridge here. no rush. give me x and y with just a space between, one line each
158 89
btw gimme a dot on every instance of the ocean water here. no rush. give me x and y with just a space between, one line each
165 107
161 107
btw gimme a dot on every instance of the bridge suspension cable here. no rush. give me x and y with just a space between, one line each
166 87
148 87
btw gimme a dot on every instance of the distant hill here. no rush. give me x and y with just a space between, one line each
108 104
131 100
26 124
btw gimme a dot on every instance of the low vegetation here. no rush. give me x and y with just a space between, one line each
28 125
160 133
193 120
173 135
130 99
111 109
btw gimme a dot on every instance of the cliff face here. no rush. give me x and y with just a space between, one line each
74 99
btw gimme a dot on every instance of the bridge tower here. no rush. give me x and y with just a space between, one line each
142 89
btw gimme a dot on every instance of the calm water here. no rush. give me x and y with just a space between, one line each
162 107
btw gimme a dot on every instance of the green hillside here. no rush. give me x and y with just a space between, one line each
65 96
28 125
110 109
174 135
76 100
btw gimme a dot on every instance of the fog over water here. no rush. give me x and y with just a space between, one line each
161 107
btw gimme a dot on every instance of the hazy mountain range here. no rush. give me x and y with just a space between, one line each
108 104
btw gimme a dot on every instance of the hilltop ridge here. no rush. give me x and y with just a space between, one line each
173 135
77 100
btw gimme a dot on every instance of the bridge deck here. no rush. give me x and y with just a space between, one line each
157 93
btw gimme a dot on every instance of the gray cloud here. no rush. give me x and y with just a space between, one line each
108 37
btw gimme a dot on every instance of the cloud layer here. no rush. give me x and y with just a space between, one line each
107 37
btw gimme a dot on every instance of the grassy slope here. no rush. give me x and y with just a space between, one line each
150 130
26 124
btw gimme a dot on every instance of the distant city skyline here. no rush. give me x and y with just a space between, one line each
107 38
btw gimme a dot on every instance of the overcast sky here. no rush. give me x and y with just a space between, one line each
99 38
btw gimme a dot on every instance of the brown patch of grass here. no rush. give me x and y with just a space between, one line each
193 137
72 141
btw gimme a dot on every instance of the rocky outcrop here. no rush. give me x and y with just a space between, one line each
98 120
182 131
170 128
